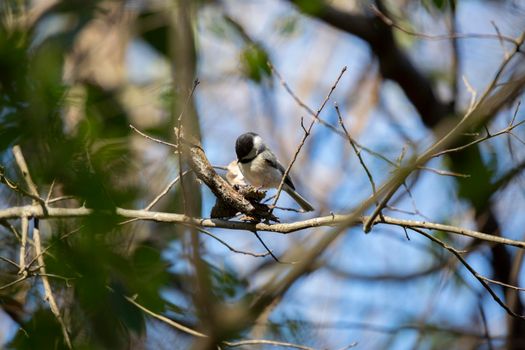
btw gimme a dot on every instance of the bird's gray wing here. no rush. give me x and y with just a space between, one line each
273 162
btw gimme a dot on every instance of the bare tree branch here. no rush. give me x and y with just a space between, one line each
393 62
472 271
391 23
49 297
231 344
484 109
306 134
285 228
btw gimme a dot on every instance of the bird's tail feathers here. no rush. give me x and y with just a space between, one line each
303 203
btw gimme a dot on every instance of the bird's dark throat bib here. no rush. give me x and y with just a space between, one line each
244 161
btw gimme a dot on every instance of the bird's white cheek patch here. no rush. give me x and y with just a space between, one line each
257 143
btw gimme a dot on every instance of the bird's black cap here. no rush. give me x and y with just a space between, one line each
244 145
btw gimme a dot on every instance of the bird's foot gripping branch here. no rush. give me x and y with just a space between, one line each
222 209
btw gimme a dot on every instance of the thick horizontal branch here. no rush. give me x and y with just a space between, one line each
284 228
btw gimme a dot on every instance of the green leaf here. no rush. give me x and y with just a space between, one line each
477 188
310 7
254 60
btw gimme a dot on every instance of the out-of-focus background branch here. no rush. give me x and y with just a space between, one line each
75 75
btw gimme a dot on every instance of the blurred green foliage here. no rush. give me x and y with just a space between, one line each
255 62
95 266
41 331
94 262
476 188
227 285
311 7
440 5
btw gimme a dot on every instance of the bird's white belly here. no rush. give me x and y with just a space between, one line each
259 174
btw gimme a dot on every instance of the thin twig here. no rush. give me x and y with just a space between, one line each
22 165
48 293
265 246
166 320
403 211
333 128
11 262
485 326
208 233
11 228
23 244
266 342
488 136
473 94
516 110
356 151
152 138
45 250
306 134
18 280
159 196
501 39
502 284
197 334
517 138
165 191
371 327
288 209
473 272
476 115
50 191
443 172
59 199
16 187
47 286
413 201
389 22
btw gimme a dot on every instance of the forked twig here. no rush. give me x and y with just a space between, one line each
389 22
152 138
49 297
321 121
356 151
232 249
470 269
306 134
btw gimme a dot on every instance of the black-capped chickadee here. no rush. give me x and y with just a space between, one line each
261 168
